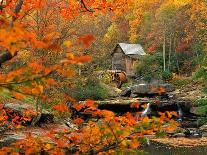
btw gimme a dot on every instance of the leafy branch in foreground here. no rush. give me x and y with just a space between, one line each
108 134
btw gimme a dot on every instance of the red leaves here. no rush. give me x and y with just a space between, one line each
61 107
183 45
86 40
152 49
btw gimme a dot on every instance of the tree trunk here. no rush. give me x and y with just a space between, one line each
170 51
164 52
176 56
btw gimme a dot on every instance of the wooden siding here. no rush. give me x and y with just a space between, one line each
120 61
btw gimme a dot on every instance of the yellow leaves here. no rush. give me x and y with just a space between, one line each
179 3
47 147
68 44
146 120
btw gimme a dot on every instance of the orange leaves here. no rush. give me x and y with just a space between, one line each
78 121
135 105
108 115
14 74
51 81
76 59
47 147
78 107
123 131
83 59
86 40
61 107
146 120
89 103
17 38
36 67
18 95
37 90
1 106
134 144
161 90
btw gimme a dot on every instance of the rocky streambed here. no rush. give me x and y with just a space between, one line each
190 137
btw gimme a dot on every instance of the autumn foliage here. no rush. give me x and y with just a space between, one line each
108 134
48 30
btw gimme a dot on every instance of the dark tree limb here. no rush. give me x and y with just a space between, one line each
5 56
85 7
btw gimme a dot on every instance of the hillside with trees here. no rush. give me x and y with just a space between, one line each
60 93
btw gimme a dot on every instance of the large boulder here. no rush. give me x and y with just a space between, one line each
126 92
152 89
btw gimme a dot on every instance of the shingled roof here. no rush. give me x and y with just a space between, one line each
132 49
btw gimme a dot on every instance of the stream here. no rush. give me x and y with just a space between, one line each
189 123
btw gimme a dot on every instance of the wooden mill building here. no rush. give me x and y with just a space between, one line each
125 56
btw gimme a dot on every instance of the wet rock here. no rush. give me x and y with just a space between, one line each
11 138
126 92
176 135
168 87
141 89
69 124
152 89
3 128
200 110
193 133
203 130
